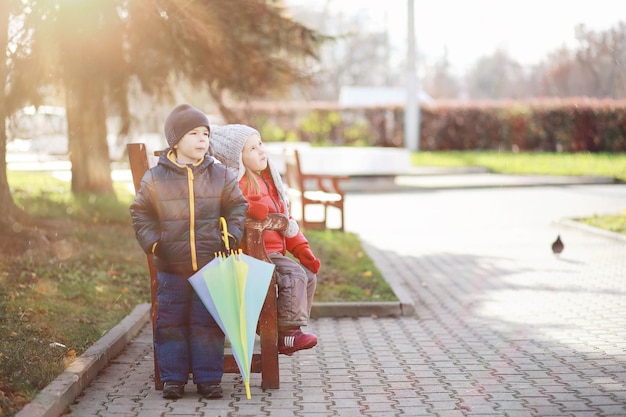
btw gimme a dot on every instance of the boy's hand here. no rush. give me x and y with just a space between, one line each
256 209
305 256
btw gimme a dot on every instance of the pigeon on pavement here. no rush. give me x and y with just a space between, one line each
557 245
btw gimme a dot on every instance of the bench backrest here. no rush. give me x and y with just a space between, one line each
293 172
308 189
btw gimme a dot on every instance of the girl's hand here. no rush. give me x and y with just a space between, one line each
256 209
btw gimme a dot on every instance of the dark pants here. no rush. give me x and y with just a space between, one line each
296 288
187 338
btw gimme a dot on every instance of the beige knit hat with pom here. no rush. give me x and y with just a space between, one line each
226 144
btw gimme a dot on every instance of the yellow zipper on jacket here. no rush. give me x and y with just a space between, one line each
192 219
192 208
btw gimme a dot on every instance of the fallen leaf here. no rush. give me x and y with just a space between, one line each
69 358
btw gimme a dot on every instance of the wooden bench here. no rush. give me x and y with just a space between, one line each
265 361
314 190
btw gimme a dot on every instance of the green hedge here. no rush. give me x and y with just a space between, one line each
564 126
573 125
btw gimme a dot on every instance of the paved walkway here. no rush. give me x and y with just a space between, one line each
502 327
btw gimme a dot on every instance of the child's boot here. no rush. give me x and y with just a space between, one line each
292 340
173 390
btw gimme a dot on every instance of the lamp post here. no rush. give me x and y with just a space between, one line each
411 108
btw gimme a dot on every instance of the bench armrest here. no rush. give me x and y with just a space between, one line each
327 183
254 233
273 221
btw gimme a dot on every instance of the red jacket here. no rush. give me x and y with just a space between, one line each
274 241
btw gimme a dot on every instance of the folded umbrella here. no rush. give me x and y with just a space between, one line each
233 287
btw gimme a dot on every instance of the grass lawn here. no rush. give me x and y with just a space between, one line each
609 165
613 223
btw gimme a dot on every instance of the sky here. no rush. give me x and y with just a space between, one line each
469 29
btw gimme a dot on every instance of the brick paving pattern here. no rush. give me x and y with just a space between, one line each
502 326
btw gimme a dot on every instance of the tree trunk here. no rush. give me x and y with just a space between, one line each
6 201
14 222
87 135
7 206
10 212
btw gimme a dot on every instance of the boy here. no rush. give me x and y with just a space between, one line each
176 217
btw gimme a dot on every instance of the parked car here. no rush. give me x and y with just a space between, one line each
43 130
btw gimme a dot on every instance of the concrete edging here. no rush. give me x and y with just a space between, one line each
403 307
362 309
591 229
54 399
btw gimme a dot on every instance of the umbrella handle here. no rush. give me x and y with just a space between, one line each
225 233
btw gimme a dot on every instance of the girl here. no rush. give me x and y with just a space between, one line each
240 147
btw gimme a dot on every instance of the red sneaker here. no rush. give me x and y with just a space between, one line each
293 340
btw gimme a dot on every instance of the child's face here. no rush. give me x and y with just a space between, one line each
192 147
253 154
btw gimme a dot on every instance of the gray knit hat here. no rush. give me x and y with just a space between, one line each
181 120
226 144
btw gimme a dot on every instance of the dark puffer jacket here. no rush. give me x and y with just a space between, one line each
176 213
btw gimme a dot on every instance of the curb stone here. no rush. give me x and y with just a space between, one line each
403 307
358 309
591 229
